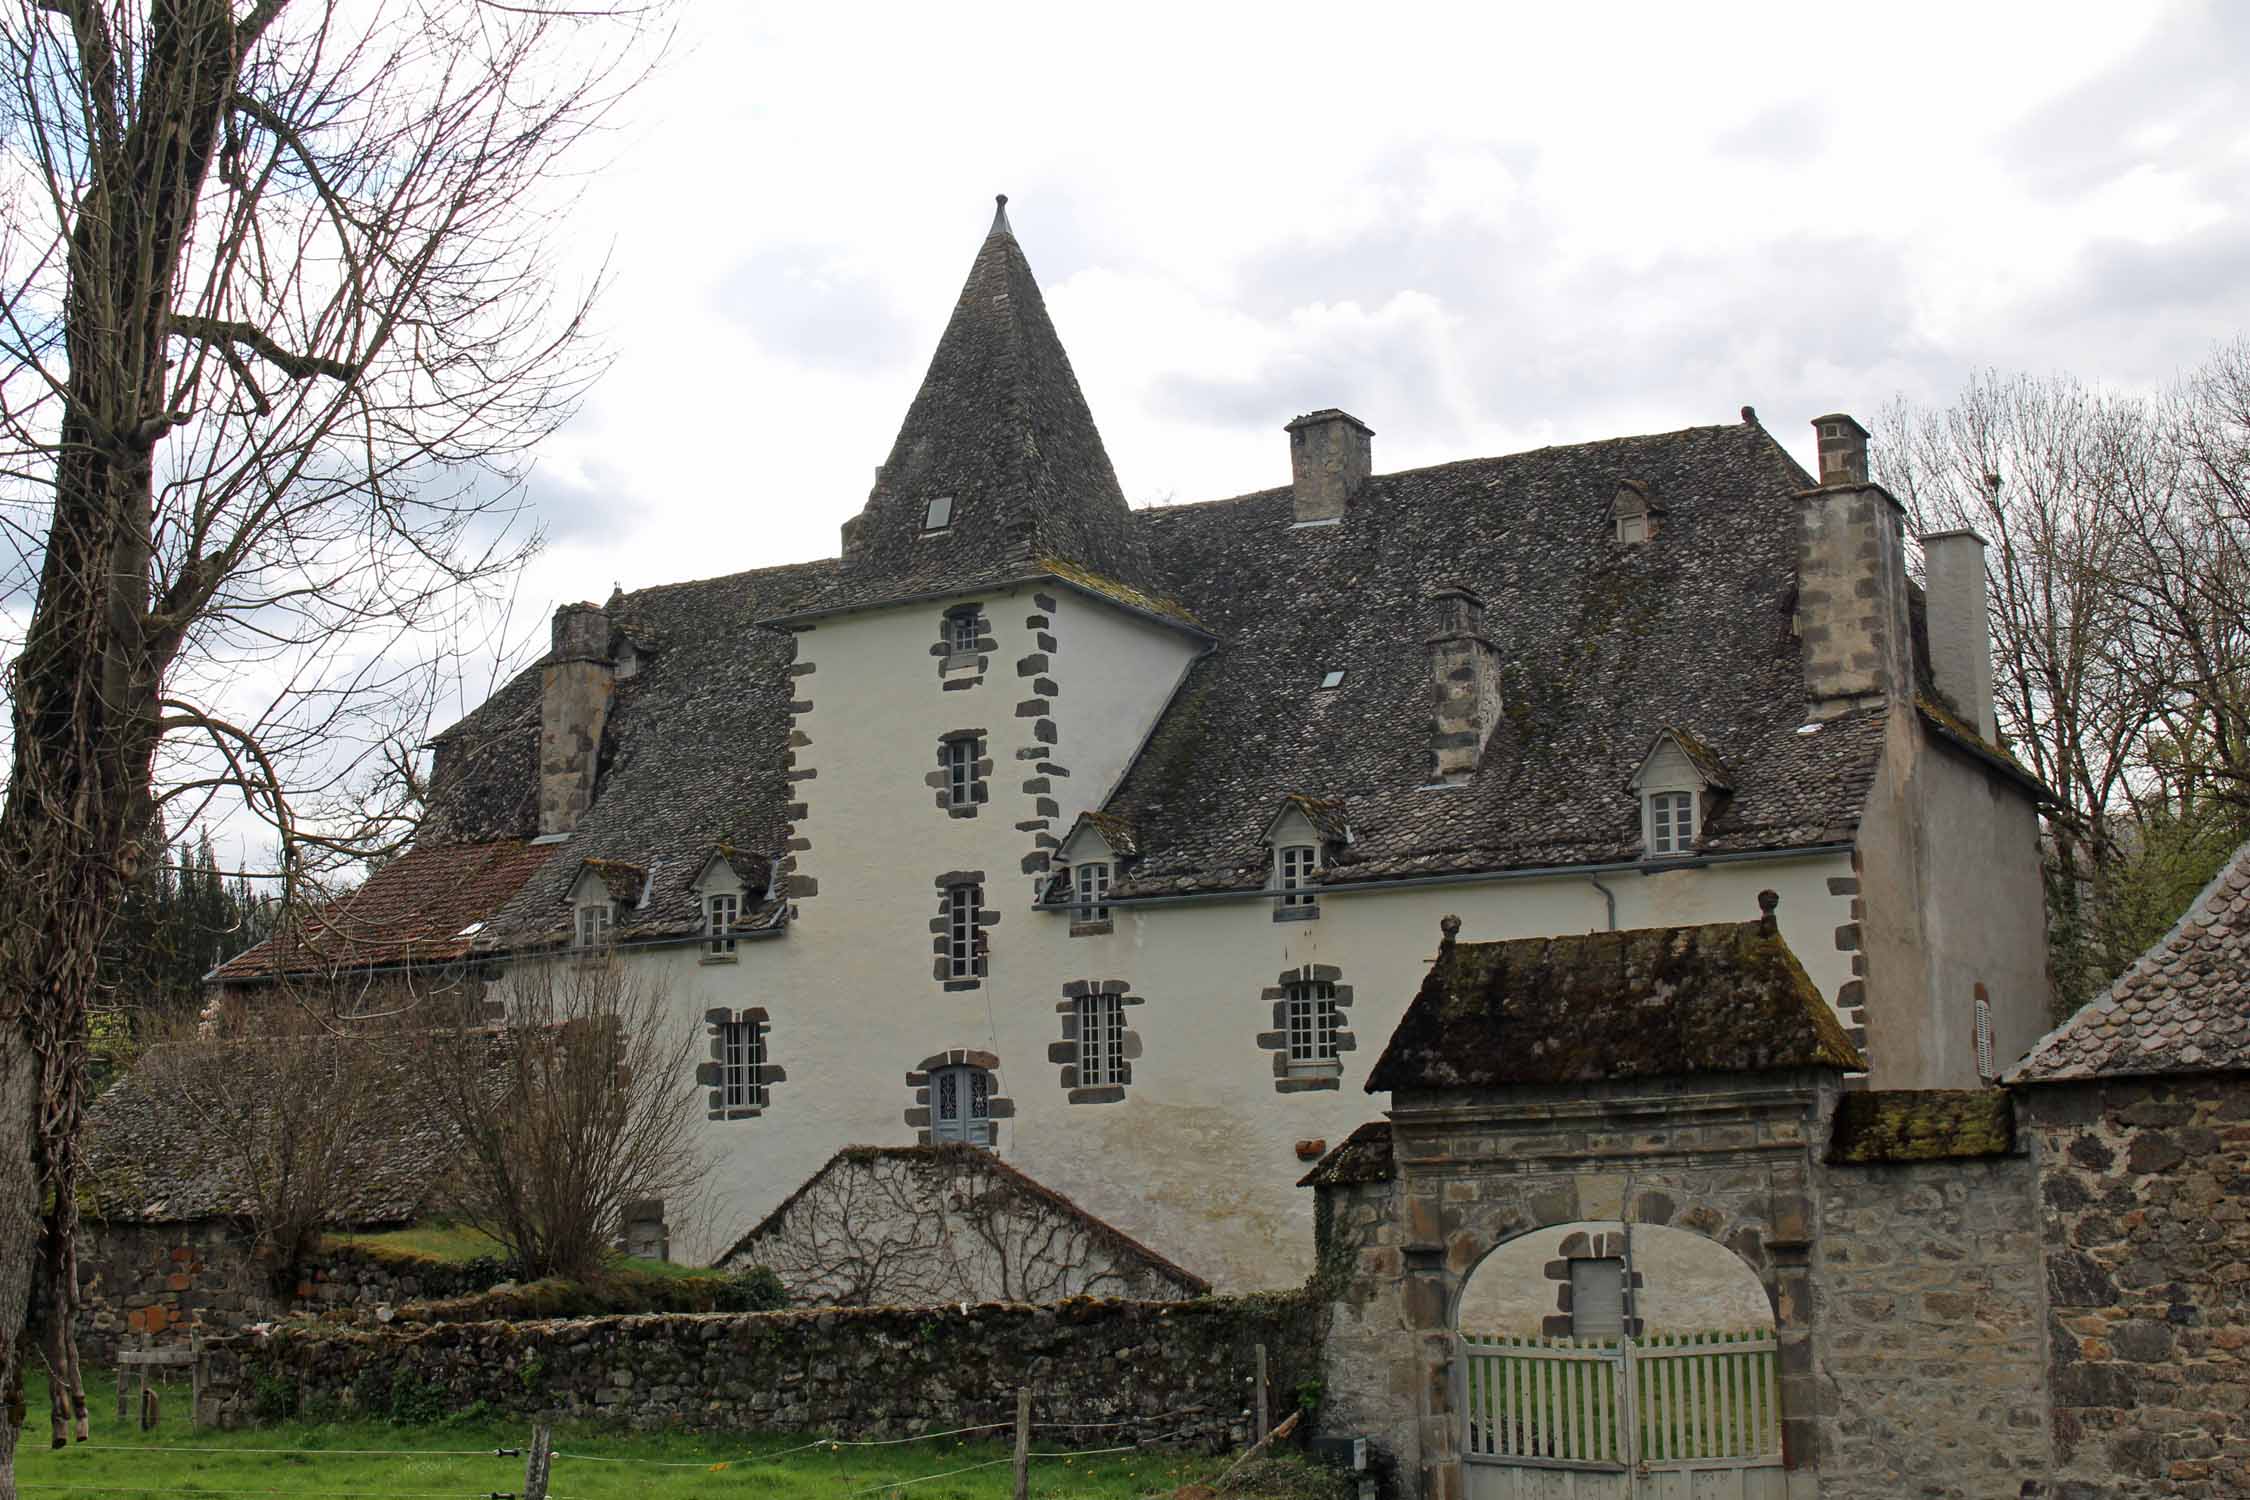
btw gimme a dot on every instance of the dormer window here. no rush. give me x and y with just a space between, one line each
1634 512
939 516
593 924
1090 882
1680 782
1671 824
1296 867
722 913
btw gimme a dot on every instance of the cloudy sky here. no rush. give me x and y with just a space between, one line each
1479 228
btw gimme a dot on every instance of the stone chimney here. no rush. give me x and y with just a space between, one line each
573 706
1330 457
1465 677
1960 625
1857 645
1843 449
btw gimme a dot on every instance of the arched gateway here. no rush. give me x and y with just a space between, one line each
1619 1083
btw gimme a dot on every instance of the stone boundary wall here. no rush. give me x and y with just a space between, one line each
1176 1371
1930 1356
2145 1208
177 1281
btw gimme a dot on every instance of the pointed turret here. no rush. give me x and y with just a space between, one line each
998 471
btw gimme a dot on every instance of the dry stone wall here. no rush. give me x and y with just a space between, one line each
1179 1372
2145 1207
172 1282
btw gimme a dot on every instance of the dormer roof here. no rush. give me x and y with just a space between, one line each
1325 814
1701 759
752 870
624 881
1000 440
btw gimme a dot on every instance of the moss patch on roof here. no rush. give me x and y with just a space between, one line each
1727 997
1121 593
1901 1125
1365 1156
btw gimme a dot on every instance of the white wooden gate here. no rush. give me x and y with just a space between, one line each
1661 1419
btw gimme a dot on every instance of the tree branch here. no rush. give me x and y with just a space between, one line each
223 334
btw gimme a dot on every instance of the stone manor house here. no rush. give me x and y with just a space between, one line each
1117 841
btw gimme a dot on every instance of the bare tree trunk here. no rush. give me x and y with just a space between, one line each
19 1222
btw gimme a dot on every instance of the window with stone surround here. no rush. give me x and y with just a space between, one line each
1309 1035
1098 1049
1981 1009
742 1054
1313 1022
959 931
957 1098
1091 882
737 1070
961 630
963 772
1296 868
722 910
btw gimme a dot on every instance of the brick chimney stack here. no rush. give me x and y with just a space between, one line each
1856 643
1330 457
573 706
1465 683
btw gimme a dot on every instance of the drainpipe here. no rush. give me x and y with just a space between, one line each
1609 897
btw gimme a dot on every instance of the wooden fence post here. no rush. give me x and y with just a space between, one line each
1023 1443
536 1459
1260 1434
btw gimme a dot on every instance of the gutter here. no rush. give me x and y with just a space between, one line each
469 961
1482 877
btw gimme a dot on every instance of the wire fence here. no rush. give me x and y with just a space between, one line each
1170 1422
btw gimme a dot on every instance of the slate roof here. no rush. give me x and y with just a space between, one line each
148 1162
2183 1007
999 427
992 1166
1653 1002
1603 645
694 755
416 909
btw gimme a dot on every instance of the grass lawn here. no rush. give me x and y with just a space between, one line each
453 1461
442 1243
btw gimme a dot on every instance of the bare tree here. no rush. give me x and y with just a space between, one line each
578 1104
2051 475
292 1120
277 323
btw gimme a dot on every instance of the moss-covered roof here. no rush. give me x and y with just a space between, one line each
1364 1156
1654 1002
1899 1125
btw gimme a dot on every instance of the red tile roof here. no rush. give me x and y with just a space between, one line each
416 909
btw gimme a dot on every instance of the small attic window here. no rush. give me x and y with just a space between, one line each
1332 680
940 514
1633 512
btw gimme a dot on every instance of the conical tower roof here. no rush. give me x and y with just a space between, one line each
998 471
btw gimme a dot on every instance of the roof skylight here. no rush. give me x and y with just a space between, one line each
1332 680
939 515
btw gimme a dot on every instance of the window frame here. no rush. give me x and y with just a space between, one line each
600 917
1981 1019
718 932
960 752
961 632
1670 837
1101 1039
1295 869
964 958
1089 905
1311 1024
742 1062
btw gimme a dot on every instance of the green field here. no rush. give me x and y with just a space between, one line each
453 1461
